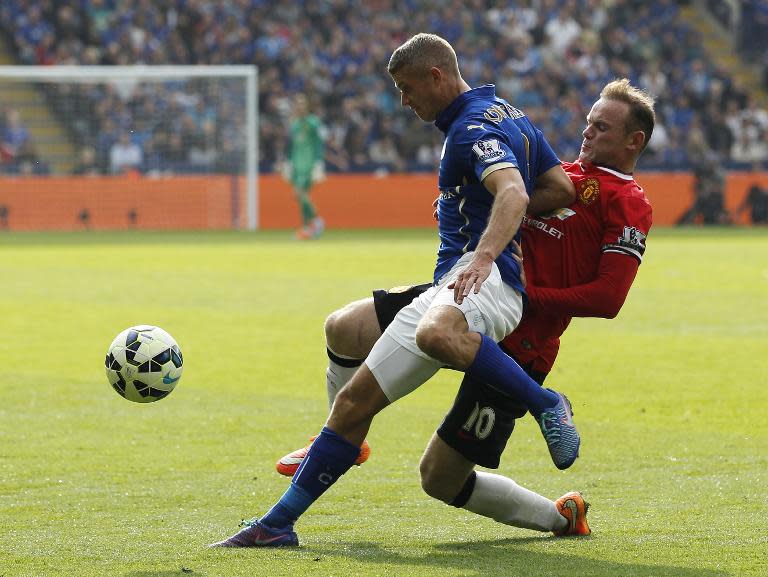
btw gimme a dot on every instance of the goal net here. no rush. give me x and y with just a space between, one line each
112 147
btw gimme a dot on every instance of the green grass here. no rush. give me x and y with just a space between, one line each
670 399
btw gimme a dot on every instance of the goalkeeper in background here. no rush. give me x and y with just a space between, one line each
305 165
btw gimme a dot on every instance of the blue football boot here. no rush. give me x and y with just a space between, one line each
560 433
255 534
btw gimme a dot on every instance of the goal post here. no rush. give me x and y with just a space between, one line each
160 123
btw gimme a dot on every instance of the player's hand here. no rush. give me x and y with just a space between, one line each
517 254
472 276
318 171
434 205
285 170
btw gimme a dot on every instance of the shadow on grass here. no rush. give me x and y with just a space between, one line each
165 573
504 557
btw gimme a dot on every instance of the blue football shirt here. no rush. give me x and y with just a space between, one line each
483 133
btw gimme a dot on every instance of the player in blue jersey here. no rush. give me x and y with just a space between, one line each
492 160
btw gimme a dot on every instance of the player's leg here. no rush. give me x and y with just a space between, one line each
465 337
350 333
391 371
302 182
476 431
328 458
449 477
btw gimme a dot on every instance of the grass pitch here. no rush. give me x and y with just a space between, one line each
670 399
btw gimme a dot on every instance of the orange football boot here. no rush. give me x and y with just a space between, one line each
574 508
288 464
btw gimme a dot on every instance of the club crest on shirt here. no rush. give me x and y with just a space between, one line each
488 150
588 191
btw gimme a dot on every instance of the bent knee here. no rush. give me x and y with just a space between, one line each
433 341
436 483
342 335
335 329
352 330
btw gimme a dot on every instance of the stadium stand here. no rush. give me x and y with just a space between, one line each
549 57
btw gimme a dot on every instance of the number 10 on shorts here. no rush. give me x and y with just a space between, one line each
480 421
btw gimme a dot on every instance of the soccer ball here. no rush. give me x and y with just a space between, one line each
143 364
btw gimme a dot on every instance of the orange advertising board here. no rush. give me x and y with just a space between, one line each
218 202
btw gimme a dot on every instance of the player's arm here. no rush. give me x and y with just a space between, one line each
552 190
509 205
628 220
319 141
602 297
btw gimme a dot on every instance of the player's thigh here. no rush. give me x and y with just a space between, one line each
495 311
390 302
444 333
397 369
353 329
444 470
301 181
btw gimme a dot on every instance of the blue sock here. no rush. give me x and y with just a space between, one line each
495 367
329 457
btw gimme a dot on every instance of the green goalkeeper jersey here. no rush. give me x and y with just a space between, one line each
306 145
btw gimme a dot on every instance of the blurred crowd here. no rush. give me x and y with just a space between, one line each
548 57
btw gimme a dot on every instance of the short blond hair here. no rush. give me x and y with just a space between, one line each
424 51
641 112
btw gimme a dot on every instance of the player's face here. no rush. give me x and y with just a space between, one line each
419 90
300 106
605 136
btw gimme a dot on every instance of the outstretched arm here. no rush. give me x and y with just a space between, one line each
601 297
552 190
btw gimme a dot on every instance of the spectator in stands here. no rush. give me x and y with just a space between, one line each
331 50
750 146
15 137
203 150
717 132
87 165
384 156
561 30
45 51
124 155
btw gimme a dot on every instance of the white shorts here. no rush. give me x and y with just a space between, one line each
495 312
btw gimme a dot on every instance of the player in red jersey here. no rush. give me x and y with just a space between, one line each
580 261
589 243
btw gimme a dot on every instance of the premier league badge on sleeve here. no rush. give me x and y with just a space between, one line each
632 239
488 150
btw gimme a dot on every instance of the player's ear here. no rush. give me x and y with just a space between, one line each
636 140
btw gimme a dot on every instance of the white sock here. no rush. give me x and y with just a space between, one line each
505 501
337 375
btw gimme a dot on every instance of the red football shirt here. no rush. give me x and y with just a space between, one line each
591 249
